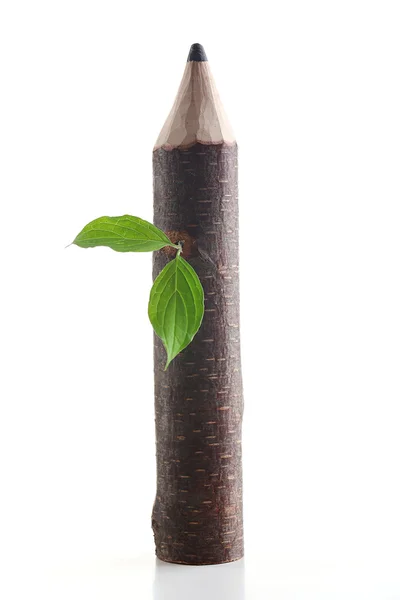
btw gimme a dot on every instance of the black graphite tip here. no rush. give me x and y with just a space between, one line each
197 53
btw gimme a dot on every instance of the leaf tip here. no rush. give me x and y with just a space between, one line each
169 361
74 242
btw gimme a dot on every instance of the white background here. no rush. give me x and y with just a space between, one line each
312 90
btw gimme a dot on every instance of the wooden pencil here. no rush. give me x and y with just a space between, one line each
197 516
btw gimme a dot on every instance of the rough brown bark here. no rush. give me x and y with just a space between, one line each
197 515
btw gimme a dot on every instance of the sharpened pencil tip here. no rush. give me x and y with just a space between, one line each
197 53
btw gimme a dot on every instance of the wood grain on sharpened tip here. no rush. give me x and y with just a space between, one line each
197 515
197 114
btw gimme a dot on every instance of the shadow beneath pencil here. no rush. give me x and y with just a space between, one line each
180 582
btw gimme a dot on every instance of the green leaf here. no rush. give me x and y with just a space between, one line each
123 234
176 306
